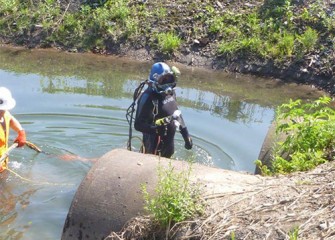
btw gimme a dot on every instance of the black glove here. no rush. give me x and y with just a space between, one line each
188 143
187 138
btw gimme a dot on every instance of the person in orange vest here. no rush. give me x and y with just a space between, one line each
7 121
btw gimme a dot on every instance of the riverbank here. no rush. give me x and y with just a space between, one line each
237 205
295 206
289 40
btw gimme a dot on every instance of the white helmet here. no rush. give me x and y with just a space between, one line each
7 102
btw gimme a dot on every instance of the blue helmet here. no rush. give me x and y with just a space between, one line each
157 70
162 78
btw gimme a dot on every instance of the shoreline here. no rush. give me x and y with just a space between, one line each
293 41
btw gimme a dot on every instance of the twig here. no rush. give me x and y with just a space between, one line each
242 199
62 17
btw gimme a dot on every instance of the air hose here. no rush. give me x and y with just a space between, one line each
131 110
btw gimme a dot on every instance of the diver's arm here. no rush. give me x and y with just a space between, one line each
187 138
183 130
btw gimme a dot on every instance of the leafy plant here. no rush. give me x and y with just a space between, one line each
293 235
229 47
162 12
216 24
232 236
252 44
176 199
286 44
72 30
118 9
308 39
168 42
310 136
8 6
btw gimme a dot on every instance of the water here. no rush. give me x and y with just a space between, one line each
73 107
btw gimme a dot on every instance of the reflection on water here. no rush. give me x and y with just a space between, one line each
73 106
13 199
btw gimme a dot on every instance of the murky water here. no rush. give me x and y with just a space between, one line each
73 107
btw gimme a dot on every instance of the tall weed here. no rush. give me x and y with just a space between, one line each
310 136
175 198
168 42
308 39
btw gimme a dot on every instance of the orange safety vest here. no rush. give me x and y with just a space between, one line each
4 134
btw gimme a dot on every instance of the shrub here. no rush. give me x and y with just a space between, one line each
309 39
176 199
310 136
285 44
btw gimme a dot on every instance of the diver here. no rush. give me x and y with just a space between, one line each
157 114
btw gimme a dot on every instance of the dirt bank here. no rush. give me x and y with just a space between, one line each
193 21
315 68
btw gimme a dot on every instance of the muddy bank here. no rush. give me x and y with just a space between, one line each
200 43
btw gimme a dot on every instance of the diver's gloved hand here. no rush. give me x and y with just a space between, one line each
163 121
21 138
187 139
188 144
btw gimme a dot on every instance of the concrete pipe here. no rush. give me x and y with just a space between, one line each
266 150
110 194
266 153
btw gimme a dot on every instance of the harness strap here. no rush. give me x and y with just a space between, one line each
155 109
154 114
158 143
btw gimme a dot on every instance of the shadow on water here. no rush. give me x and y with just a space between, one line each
74 105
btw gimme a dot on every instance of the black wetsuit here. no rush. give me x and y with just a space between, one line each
151 106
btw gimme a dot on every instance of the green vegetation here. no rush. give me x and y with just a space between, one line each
232 236
175 198
294 234
310 136
168 42
274 29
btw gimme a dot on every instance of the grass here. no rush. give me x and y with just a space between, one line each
168 42
275 30
294 234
